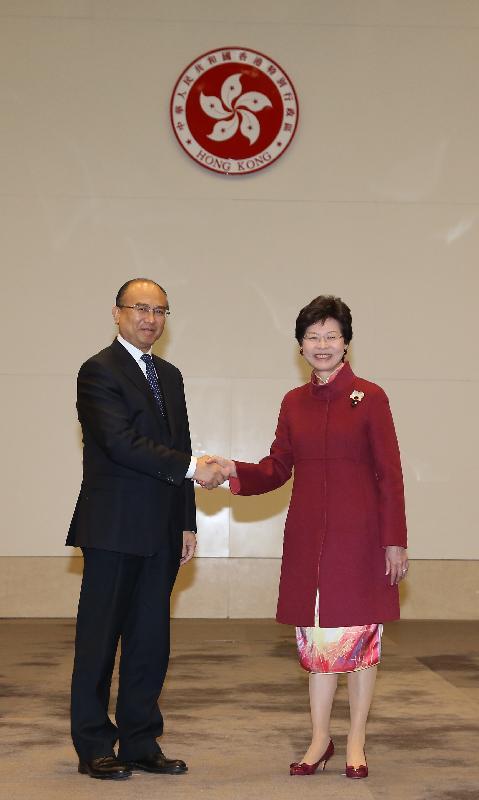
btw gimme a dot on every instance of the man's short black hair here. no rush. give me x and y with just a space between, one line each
123 289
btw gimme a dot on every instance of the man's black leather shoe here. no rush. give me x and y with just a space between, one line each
159 764
105 768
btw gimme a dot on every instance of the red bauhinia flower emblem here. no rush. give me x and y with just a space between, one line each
234 110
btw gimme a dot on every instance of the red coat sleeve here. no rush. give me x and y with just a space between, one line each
387 465
273 470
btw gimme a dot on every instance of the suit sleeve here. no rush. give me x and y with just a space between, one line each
103 412
387 463
273 470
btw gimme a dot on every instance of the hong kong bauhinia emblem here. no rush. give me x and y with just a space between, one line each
234 110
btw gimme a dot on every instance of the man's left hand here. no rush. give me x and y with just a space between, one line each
189 546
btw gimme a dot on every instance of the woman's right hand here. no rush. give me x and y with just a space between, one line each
397 563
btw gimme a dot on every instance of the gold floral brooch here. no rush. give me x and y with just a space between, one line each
356 397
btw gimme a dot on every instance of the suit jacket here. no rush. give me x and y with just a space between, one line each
134 497
347 502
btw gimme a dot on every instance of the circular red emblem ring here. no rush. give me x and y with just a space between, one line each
234 110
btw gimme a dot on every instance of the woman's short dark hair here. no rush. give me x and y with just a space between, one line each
319 309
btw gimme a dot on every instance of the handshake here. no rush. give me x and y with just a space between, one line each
211 471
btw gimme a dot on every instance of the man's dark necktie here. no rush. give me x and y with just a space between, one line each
153 381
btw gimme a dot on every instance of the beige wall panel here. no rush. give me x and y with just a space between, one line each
40 587
209 405
232 316
437 13
201 589
209 411
208 587
40 471
253 587
385 128
255 409
434 13
441 590
46 8
213 520
65 269
50 587
256 523
439 442
399 284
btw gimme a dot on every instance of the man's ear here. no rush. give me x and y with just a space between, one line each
115 312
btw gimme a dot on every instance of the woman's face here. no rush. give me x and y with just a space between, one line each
323 346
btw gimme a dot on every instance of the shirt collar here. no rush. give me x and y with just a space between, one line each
343 381
315 379
133 351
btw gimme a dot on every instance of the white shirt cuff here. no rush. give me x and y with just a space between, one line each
191 468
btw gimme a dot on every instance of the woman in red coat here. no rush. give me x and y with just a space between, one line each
345 535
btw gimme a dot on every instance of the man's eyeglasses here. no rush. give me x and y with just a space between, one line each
330 337
144 308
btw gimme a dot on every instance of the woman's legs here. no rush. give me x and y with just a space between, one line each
360 689
322 689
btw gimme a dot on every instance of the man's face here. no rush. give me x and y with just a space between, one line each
137 327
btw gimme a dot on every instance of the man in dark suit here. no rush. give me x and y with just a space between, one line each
135 522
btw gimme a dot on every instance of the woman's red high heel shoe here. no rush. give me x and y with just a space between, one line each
357 772
301 768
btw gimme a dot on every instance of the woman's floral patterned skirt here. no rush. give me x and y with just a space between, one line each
330 650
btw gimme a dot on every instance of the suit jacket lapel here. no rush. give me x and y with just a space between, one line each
130 367
133 372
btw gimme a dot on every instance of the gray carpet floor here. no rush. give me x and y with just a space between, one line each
236 709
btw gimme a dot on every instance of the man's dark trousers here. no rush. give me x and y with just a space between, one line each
125 596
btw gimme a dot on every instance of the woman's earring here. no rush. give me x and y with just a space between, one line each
301 350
